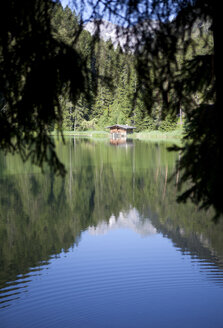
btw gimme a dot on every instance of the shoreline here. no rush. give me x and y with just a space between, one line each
144 135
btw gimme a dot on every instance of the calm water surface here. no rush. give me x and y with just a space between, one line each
108 246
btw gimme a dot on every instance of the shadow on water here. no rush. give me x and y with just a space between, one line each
42 215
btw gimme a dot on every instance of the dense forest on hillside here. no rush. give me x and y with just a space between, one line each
116 92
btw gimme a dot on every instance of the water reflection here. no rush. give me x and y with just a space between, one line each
122 142
106 188
125 220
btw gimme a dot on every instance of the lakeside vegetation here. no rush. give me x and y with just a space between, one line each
176 134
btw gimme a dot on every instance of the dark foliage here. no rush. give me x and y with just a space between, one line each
35 69
202 161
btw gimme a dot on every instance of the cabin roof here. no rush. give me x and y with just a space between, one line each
125 127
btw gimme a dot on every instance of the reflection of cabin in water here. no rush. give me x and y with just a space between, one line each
118 141
119 131
121 142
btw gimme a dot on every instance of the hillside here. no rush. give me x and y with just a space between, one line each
125 86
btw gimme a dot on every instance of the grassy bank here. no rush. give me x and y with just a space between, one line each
145 135
159 135
87 134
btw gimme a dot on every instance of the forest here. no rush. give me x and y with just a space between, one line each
116 92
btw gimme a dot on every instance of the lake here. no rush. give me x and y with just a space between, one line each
108 246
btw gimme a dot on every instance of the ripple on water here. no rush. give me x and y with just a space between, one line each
80 290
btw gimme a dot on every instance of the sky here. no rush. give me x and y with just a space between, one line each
143 11
102 12
86 10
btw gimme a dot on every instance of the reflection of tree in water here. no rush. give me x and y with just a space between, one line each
42 215
193 243
31 230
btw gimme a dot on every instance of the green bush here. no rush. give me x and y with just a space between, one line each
169 124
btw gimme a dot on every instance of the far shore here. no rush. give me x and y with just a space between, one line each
143 135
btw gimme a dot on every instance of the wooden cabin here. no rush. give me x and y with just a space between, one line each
119 131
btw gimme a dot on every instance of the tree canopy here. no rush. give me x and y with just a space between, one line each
40 65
